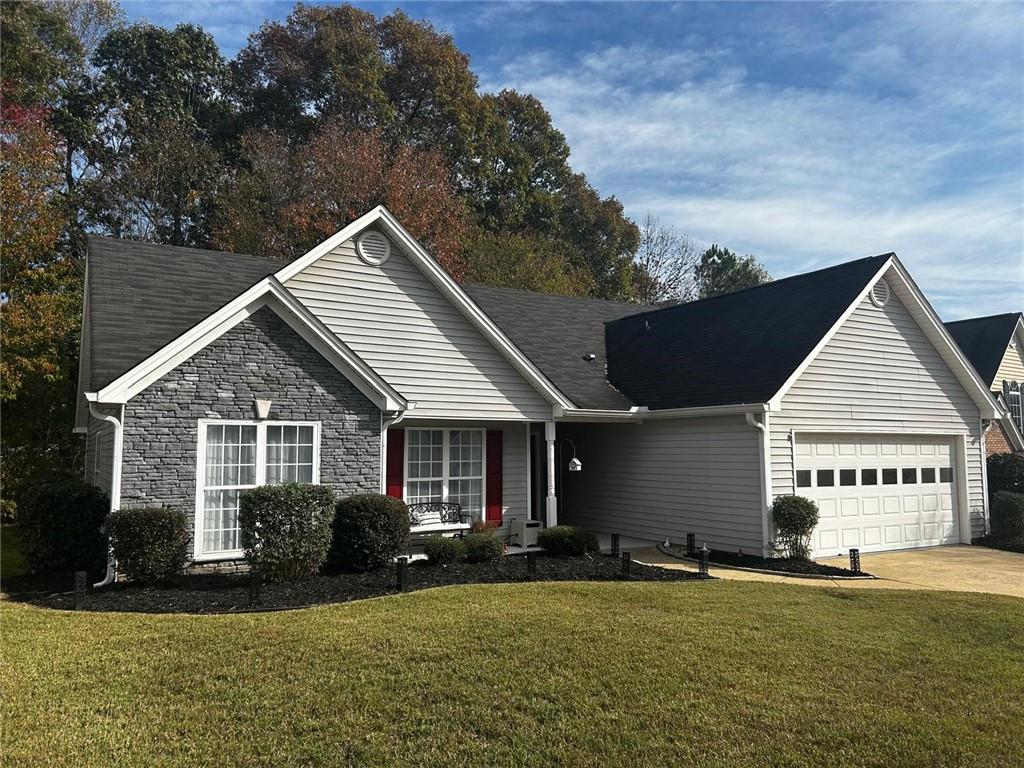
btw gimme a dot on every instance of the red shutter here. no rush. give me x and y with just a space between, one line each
495 441
395 469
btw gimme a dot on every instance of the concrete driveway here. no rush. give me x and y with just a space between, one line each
956 568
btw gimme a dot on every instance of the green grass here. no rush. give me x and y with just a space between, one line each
715 674
11 561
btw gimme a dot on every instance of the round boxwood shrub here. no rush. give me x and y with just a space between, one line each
1005 473
795 518
369 531
61 524
285 529
150 544
481 547
442 550
1007 516
567 541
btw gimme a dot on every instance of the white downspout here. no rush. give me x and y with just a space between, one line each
385 425
764 455
115 480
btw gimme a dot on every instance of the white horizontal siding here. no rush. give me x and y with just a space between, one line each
879 374
405 329
664 479
1011 368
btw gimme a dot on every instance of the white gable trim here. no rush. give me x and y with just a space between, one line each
908 292
451 290
270 293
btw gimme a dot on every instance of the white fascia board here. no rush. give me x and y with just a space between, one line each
948 349
450 289
642 413
267 292
775 403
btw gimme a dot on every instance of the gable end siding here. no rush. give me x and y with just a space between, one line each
879 374
394 318
1011 368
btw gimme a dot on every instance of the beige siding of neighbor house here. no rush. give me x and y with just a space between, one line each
1011 368
405 329
664 479
879 374
99 454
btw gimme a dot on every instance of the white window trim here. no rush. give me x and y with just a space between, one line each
446 469
261 473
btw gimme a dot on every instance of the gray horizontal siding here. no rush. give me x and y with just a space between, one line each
879 374
664 479
403 327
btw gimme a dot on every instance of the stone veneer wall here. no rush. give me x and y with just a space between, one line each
261 357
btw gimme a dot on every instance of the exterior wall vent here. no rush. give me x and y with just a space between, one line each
373 247
880 293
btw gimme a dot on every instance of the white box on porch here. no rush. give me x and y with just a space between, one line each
522 532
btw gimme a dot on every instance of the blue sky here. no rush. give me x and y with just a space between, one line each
806 134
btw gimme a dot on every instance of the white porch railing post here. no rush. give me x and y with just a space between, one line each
551 506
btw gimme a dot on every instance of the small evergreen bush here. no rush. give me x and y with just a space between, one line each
61 524
1007 517
285 529
481 547
795 518
442 550
150 544
369 531
567 541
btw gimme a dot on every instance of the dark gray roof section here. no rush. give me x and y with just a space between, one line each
556 332
143 296
984 341
734 349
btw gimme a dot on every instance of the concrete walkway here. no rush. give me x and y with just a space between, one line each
956 568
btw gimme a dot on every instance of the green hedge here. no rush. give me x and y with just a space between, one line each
1007 516
795 518
286 529
567 541
61 525
443 550
369 531
150 544
481 547
1005 473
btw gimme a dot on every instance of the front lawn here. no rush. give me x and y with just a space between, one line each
575 674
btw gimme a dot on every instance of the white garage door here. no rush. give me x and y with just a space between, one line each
878 492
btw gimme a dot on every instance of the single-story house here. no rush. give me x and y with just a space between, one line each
362 365
995 347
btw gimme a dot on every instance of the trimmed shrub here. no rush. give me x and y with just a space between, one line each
567 541
481 547
443 550
1007 516
285 529
369 531
150 544
1005 473
795 518
61 525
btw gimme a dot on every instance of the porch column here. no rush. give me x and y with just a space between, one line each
551 506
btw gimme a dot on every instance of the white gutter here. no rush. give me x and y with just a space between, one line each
764 454
115 478
643 413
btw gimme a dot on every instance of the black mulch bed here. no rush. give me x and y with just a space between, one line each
780 564
222 593
1007 545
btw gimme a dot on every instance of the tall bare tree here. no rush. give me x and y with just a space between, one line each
664 264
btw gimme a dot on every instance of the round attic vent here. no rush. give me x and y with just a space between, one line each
373 247
880 294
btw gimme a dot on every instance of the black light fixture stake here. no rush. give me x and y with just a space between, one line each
704 562
81 580
255 586
691 544
402 574
615 545
855 560
627 565
531 566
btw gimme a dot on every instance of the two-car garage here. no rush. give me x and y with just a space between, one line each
879 492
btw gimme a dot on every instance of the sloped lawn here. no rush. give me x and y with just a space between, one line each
574 674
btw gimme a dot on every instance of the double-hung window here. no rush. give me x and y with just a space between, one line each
234 456
446 465
1012 396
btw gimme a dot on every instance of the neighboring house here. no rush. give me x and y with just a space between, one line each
362 365
995 346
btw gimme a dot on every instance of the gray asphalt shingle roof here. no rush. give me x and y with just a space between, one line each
143 296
